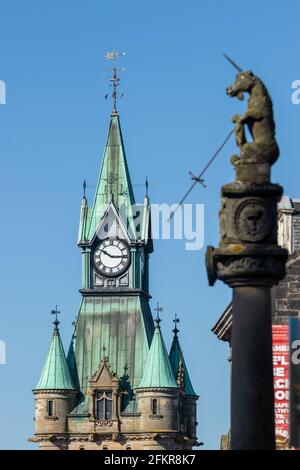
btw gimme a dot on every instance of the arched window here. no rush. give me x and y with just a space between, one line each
103 405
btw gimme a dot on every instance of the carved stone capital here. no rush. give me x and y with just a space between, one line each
248 253
239 265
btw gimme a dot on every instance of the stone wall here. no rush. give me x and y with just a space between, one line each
286 295
296 232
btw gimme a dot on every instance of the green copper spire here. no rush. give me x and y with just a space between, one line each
56 374
175 358
158 372
114 183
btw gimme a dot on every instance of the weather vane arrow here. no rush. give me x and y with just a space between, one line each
113 55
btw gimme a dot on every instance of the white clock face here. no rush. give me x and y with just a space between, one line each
112 257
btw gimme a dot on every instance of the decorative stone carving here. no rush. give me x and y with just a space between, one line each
252 220
81 438
223 220
258 118
103 423
234 270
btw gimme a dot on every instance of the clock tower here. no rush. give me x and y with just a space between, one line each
116 388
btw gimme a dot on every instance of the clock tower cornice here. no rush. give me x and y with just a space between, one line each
113 292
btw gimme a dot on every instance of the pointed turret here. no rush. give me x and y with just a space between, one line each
189 398
178 363
55 392
55 374
158 372
158 391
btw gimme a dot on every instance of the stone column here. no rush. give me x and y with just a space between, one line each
249 260
252 407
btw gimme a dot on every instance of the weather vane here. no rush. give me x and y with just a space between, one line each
114 55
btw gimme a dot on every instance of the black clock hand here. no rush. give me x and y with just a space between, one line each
108 254
114 256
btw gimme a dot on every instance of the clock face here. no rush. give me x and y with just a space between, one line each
112 257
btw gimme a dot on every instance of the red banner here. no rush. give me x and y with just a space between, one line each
281 383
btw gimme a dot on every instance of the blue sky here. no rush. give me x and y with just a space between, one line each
174 114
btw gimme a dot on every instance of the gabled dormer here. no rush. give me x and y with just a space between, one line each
103 395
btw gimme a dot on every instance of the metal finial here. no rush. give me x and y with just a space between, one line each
176 320
114 55
55 312
115 82
104 349
147 186
158 319
84 189
232 63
